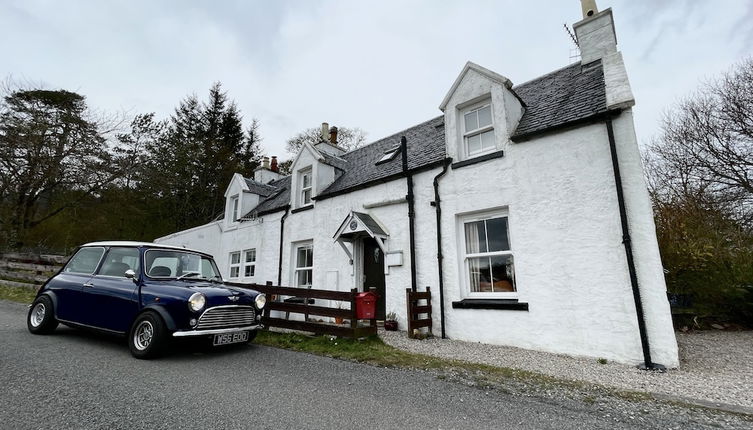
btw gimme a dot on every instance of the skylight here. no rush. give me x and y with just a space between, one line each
389 155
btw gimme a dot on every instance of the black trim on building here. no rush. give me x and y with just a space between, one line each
498 304
302 209
479 159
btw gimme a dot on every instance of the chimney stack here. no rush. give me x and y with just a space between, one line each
274 166
595 33
333 135
265 162
325 132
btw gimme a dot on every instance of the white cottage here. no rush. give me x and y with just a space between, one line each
523 206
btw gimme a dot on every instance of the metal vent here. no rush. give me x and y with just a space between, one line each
226 316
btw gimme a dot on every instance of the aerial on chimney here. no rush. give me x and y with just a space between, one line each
265 162
589 8
274 166
333 135
325 132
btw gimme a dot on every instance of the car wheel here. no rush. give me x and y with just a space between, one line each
41 318
148 336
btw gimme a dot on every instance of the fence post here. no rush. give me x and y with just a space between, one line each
410 312
372 322
353 317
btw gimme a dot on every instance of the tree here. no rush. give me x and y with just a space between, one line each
347 138
50 143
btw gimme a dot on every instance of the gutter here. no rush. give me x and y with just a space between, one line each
411 211
627 242
282 236
437 203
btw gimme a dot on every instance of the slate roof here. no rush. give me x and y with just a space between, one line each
370 223
564 96
259 188
560 98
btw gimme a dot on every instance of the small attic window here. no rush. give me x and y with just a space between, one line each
389 155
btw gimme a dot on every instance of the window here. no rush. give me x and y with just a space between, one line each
85 261
479 131
234 206
304 265
488 258
235 264
249 262
167 263
305 178
389 155
119 260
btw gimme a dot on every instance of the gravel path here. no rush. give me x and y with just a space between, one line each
715 366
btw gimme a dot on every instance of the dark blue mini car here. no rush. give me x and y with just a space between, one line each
151 293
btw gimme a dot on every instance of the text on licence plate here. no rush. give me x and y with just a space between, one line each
225 338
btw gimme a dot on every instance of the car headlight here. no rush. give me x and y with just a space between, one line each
260 301
196 302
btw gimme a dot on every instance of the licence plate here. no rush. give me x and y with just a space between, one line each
226 338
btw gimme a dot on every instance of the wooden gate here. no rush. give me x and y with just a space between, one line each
415 310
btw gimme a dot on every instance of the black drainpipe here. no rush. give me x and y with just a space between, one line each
647 363
438 208
411 212
282 235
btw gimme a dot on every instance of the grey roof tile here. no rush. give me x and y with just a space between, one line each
259 188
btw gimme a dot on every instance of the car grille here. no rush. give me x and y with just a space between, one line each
226 316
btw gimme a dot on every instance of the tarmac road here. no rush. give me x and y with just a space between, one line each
78 380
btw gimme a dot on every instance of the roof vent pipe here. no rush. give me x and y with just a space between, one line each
589 8
325 132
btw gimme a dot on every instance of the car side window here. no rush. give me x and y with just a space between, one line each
85 261
118 260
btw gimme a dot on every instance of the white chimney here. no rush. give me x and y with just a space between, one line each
595 33
325 132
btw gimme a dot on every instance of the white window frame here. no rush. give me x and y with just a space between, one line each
234 207
303 189
236 266
298 246
249 264
464 256
467 134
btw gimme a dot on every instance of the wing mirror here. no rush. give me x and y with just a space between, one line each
130 274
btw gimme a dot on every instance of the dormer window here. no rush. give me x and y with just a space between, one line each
306 186
234 205
478 134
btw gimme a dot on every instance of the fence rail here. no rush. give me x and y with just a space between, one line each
300 302
28 270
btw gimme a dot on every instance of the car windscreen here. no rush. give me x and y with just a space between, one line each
165 263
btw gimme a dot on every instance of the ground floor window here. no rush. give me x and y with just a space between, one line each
235 264
487 255
304 265
249 262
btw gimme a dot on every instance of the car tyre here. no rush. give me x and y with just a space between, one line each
41 317
148 336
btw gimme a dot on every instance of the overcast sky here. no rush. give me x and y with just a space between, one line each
380 65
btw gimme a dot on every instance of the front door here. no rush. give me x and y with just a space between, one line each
373 273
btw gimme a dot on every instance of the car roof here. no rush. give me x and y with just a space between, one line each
135 244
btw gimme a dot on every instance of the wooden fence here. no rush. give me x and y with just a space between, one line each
415 309
28 270
303 301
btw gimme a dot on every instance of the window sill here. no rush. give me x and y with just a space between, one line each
302 208
499 304
478 159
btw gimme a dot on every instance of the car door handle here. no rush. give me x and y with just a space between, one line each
88 284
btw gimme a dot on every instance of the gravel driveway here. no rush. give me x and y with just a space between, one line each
715 366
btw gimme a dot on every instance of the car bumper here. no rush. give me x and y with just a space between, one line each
215 331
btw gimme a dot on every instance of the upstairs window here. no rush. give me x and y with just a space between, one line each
249 262
234 208
478 134
306 187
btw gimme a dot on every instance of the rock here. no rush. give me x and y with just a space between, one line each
717 326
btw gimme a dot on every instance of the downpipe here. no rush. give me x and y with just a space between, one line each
411 212
282 241
437 203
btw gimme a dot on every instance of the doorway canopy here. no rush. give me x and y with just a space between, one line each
359 225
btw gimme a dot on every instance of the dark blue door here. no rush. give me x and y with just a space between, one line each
68 286
111 297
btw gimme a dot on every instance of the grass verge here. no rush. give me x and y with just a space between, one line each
17 294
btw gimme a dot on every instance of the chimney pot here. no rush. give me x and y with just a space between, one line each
333 135
589 8
274 166
265 162
325 132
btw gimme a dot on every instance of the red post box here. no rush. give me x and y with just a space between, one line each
366 306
